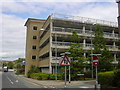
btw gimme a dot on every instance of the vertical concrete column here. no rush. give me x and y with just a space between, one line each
83 29
114 56
84 54
50 49
113 33
85 69
114 45
84 42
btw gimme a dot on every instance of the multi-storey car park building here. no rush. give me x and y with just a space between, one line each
118 1
49 38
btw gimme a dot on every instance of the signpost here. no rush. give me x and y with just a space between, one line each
95 61
95 64
65 62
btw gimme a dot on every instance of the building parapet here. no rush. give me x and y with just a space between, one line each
84 19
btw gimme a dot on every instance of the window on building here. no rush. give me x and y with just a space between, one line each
33 57
34 47
34 27
34 37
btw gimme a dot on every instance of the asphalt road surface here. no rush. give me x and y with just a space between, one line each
10 80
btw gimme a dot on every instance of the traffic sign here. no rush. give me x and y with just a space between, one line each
95 61
65 61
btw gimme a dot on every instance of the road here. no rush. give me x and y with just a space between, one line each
10 80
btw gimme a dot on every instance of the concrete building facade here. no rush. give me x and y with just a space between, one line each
53 38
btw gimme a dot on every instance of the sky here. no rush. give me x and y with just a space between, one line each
14 13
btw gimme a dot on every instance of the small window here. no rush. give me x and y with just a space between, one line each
34 28
34 37
34 57
34 47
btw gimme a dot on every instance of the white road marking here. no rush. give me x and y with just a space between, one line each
16 81
9 80
45 87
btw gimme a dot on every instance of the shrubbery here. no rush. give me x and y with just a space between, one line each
111 78
117 78
44 76
106 78
35 73
33 69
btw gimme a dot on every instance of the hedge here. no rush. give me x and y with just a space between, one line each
117 78
45 76
106 78
111 78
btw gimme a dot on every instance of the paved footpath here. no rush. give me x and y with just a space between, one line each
60 83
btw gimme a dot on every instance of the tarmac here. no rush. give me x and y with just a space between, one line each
60 83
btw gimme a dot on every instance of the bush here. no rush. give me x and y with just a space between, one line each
88 74
33 69
52 76
106 78
60 76
111 78
42 76
35 76
117 78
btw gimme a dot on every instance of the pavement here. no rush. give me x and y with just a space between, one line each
61 83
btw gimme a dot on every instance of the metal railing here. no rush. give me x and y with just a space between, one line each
80 31
89 46
84 19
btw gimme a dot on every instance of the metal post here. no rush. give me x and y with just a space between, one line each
69 75
96 76
91 52
96 85
56 56
65 76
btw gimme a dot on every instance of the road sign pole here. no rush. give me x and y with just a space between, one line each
96 76
69 75
96 85
65 76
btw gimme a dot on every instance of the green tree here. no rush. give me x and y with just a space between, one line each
118 53
10 65
100 47
20 69
76 51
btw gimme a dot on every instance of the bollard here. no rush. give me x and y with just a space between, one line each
97 86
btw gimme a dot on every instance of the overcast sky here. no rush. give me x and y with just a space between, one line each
14 14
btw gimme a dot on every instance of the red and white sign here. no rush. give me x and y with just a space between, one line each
95 61
65 61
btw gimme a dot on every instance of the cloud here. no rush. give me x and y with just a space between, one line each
59 0
21 7
104 11
13 36
101 10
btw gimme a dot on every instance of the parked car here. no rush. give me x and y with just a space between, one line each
5 69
